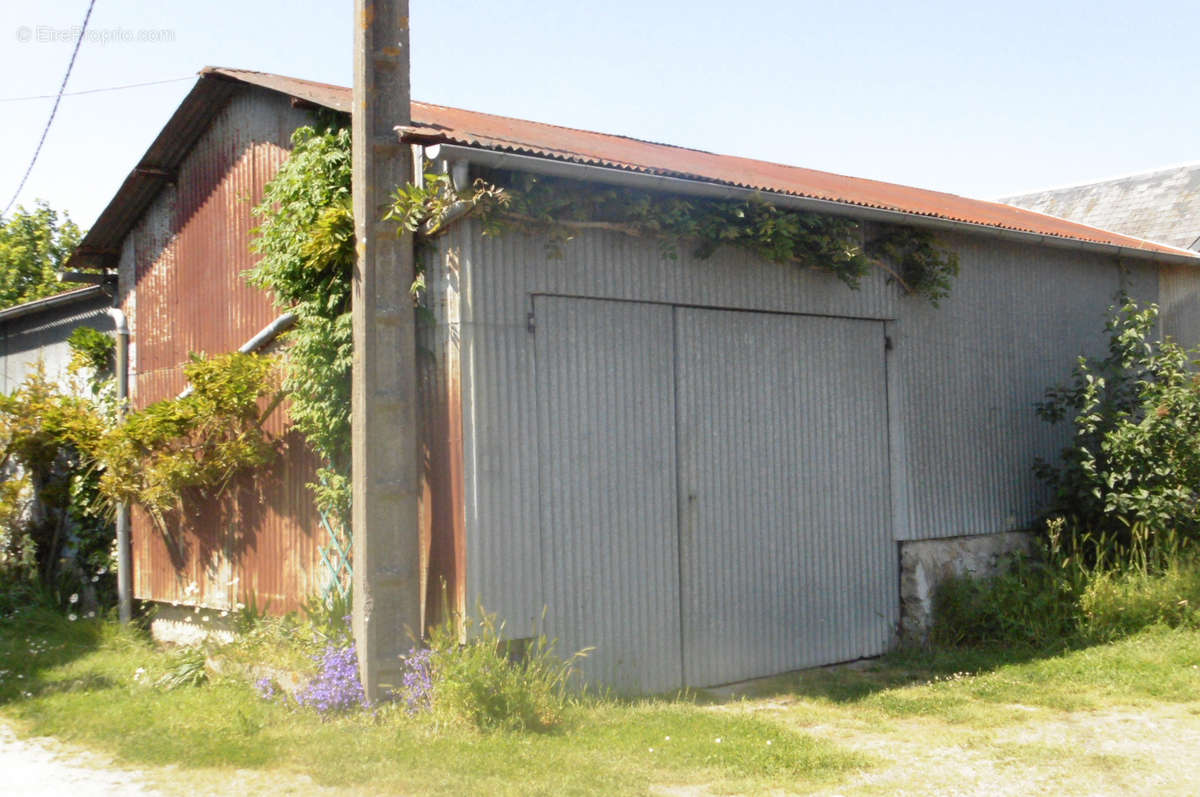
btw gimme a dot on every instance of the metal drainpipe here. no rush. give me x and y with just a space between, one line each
124 544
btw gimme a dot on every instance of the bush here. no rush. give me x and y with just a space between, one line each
1132 470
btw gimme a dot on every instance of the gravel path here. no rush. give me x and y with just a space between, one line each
42 767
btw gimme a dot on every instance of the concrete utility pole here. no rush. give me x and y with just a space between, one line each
384 413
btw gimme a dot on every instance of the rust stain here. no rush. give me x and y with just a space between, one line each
260 537
501 133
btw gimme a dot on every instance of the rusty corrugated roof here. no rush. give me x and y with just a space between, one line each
503 134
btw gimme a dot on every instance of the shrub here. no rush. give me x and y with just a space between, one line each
1133 464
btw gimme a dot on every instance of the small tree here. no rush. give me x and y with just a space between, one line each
1132 469
34 245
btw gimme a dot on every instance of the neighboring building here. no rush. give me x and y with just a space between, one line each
707 469
1162 205
38 331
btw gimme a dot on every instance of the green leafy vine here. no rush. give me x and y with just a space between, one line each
559 209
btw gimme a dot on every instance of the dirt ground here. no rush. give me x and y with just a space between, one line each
1149 751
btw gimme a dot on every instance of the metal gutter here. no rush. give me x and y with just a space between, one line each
50 302
261 339
124 539
603 174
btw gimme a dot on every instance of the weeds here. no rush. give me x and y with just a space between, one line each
1077 588
488 683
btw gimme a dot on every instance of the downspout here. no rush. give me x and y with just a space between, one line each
124 544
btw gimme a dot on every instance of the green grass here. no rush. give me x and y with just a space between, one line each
94 684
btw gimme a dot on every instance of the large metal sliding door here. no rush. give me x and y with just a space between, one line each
714 490
785 533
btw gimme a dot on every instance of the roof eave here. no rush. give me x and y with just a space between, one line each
695 187
51 302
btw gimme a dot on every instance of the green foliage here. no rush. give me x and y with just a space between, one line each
1072 591
200 440
306 239
491 684
1027 604
1132 469
52 539
185 668
560 208
91 350
34 245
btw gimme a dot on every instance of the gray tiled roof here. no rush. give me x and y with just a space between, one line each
1162 206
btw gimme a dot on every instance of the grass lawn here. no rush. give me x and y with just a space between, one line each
1109 718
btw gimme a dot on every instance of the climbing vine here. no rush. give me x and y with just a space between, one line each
560 208
306 239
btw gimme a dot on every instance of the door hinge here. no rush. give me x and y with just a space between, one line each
530 323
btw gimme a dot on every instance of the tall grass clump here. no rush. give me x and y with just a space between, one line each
471 676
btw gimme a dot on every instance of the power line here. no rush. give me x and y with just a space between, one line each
54 110
97 91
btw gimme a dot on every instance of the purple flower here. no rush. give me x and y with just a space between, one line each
266 688
418 680
336 687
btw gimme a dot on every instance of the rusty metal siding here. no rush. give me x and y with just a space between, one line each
189 251
443 524
970 372
785 512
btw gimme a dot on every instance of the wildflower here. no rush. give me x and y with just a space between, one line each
72 617
417 687
336 687
266 688
74 598
91 614
718 740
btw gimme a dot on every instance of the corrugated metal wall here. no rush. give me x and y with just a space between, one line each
43 336
187 256
970 372
959 440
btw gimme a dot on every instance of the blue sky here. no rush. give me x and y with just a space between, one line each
979 99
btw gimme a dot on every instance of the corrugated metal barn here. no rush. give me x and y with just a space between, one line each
704 468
